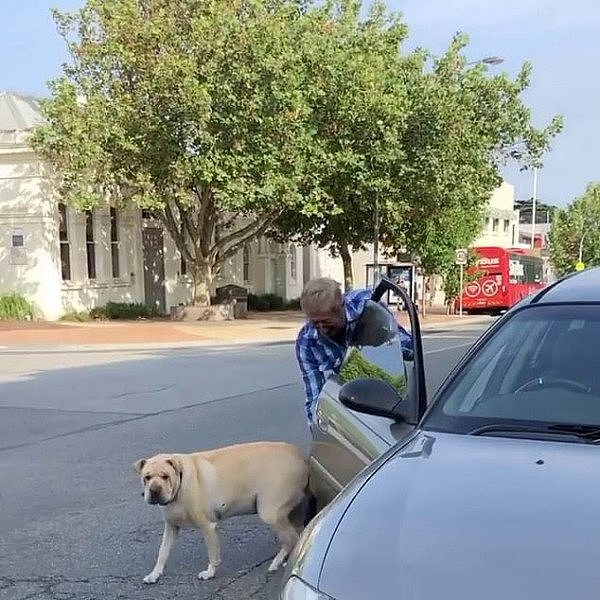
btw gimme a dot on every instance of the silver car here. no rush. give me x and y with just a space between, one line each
494 494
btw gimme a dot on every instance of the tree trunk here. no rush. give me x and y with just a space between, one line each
203 275
347 262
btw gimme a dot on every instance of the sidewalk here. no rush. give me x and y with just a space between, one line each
259 328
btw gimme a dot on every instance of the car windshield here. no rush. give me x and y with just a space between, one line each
542 367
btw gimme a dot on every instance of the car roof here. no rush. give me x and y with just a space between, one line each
576 287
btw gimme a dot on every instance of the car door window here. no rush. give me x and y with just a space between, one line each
375 350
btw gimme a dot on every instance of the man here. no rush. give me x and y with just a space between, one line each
322 342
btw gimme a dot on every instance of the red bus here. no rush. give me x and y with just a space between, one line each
505 276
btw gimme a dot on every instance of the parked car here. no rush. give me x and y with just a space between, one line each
493 494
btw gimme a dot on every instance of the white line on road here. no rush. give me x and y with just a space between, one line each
447 348
451 337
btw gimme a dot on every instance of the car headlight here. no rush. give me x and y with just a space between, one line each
296 589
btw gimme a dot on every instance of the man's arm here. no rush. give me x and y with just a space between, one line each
312 376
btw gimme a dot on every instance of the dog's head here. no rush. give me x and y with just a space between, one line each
161 478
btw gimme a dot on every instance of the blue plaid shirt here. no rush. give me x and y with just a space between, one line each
319 356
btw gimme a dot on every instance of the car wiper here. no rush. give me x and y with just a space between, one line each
506 428
586 432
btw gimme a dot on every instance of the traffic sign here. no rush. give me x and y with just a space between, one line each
461 256
580 266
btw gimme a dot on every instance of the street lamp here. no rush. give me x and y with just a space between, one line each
533 206
376 245
488 60
581 246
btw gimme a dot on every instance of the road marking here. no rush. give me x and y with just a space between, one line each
450 337
447 348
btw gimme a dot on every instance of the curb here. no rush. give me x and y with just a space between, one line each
439 327
137 347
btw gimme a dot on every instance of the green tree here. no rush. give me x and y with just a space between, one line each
196 110
463 126
450 273
576 231
360 97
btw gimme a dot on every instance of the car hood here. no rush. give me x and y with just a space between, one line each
459 517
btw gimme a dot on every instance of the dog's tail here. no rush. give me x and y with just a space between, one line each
310 501
311 510
305 510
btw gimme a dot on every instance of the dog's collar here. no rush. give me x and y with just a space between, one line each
177 494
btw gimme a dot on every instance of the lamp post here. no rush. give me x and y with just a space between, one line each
533 206
581 246
376 245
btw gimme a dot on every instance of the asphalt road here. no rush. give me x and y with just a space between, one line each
73 525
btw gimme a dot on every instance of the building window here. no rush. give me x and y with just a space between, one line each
246 263
487 222
506 225
495 224
293 263
183 267
63 236
114 242
90 244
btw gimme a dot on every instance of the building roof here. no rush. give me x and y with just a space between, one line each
18 112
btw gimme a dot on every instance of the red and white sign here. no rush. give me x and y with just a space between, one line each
473 289
489 288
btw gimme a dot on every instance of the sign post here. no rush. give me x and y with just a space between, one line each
461 260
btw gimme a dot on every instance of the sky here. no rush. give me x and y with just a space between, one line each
559 38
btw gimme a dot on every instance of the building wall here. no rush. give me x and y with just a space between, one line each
82 293
26 212
501 222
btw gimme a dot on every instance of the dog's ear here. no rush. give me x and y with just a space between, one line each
138 465
176 463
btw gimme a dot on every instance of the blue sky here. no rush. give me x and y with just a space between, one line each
560 38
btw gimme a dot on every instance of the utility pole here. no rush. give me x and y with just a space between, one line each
533 203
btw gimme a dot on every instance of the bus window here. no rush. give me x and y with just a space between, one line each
526 269
516 270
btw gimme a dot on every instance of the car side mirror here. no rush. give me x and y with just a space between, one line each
374 397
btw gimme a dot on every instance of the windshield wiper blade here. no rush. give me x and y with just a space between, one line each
506 428
586 432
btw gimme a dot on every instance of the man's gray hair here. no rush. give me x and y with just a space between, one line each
321 294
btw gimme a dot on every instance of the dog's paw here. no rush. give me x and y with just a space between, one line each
207 574
151 577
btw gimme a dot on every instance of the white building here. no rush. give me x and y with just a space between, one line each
65 260
501 222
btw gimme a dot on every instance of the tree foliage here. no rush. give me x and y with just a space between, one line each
450 273
361 89
464 125
442 143
577 228
196 110
228 119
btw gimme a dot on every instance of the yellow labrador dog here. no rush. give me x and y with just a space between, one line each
199 489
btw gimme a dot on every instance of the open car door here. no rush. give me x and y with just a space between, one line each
375 401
